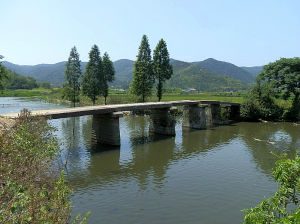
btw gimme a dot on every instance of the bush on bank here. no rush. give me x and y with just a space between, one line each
30 191
284 205
279 81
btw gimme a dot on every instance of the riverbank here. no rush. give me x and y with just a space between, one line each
6 123
26 92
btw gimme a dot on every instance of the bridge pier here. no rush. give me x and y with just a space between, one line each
162 122
234 112
213 114
194 116
106 127
225 113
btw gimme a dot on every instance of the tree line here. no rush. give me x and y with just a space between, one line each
100 71
94 82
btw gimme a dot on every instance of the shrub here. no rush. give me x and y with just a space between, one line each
250 110
30 191
283 207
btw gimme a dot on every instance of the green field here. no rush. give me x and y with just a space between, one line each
25 92
118 97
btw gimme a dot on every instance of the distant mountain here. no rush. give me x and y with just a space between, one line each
225 68
254 71
209 75
52 73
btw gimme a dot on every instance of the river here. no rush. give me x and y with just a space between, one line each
199 176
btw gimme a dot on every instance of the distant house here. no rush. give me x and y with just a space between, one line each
190 90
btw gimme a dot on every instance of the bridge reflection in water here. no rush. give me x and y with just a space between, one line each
223 163
163 151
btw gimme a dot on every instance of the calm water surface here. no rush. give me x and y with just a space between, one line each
199 176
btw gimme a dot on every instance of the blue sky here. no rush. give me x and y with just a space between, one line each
245 33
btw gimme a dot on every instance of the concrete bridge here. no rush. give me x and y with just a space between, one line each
197 115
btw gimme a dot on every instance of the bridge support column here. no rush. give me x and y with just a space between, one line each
194 116
106 127
225 113
162 122
234 112
213 115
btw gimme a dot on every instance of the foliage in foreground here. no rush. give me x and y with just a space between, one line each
283 206
30 192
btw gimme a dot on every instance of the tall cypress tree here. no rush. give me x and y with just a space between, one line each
143 78
161 66
108 74
92 78
72 76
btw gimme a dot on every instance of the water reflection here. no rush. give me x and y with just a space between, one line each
262 139
197 141
146 156
145 163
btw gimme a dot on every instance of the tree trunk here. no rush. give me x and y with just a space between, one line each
296 99
74 95
74 100
105 100
159 90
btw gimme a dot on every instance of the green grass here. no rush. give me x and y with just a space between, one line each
125 97
119 97
25 92
233 99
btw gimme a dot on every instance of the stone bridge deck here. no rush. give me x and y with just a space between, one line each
197 115
94 110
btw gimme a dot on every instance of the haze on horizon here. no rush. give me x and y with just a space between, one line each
243 33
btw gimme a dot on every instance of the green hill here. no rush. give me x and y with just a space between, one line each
52 73
225 68
186 75
179 65
194 76
124 71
